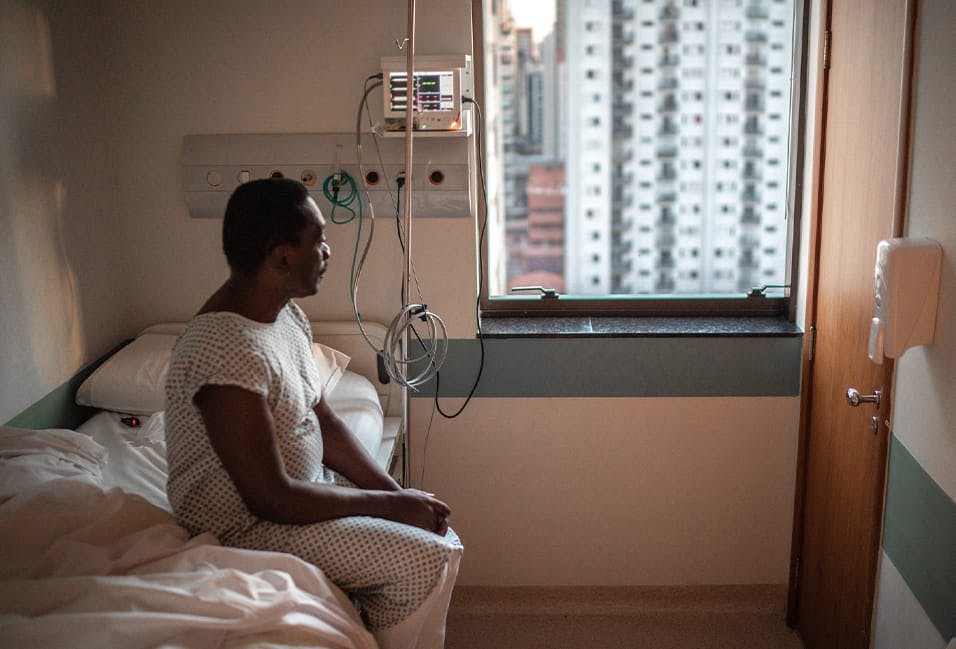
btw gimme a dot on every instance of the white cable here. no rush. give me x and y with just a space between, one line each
434 346
435 343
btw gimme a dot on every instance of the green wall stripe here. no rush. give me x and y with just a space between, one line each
58 409
919 536
623 367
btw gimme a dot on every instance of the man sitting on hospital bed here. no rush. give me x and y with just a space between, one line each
256 455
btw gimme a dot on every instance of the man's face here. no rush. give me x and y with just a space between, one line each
309 260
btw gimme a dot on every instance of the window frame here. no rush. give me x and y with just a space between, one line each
753 304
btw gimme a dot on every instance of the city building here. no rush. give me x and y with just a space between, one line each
673 120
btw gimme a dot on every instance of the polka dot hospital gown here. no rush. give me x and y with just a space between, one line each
388 567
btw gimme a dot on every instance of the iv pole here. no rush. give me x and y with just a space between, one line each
406 277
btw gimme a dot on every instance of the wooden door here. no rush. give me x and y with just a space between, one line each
844 460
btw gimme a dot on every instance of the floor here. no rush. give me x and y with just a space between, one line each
738 617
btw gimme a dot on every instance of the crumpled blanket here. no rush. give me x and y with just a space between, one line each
84 566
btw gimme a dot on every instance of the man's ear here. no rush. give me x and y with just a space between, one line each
279 258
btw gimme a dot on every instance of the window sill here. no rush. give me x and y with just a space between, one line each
636 327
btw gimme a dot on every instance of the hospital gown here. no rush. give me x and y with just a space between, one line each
389 568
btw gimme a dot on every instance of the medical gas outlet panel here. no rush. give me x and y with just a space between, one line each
443 172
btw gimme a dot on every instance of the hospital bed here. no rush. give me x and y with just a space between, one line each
91 555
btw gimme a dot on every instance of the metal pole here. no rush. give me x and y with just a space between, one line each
406 277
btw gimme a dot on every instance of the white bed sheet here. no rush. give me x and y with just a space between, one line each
86 566
135 457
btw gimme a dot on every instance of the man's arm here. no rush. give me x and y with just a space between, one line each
242 432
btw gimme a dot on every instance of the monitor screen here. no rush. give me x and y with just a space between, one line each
434 91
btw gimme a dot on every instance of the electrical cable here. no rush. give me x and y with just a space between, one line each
396 199
436 406
371 208
481 277
401 240
428 434
398 230
435 350
435 343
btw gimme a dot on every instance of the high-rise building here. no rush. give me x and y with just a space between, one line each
678 159
672 118
590 147
545 189
552 97
537 257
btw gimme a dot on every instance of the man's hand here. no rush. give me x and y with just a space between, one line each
421 509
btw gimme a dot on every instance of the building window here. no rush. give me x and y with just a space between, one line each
674 157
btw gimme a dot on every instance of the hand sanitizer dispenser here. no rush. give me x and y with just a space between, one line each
906 296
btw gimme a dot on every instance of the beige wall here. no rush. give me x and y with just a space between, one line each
61 255
249 67
615 491
569 491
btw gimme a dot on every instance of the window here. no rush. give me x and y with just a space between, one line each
662 157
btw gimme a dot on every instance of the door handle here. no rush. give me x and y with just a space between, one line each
854 397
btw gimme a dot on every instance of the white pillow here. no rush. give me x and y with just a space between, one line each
133 380
331 364
356 403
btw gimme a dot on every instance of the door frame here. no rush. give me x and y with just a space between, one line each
901 190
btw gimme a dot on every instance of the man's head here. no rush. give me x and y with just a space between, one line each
275 219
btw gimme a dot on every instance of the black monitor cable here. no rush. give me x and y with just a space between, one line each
436 405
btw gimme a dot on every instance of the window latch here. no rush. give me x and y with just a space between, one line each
546 293
761 291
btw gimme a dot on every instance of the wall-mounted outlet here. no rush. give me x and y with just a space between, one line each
308 177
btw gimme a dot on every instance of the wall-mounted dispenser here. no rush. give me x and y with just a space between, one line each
442 176
906 296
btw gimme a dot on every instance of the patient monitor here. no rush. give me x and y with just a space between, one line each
438 84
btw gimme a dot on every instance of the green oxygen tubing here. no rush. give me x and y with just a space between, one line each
340 190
